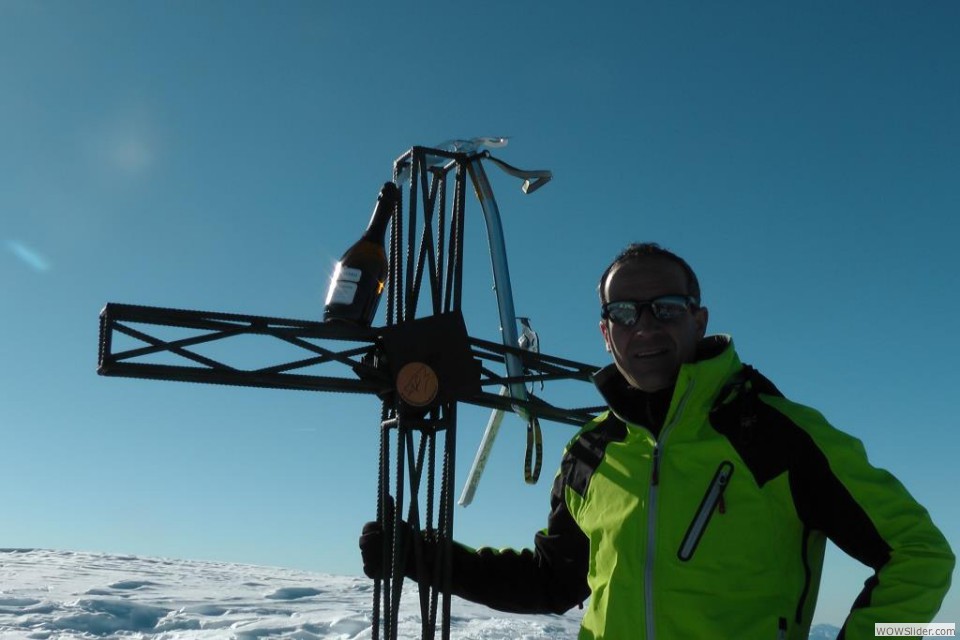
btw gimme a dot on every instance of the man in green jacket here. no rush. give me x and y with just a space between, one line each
699 505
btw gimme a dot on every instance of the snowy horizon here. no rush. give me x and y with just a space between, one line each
74 595
69 595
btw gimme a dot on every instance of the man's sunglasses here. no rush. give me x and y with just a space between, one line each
664 309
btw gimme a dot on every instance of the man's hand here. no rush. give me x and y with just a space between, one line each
373 537
371 550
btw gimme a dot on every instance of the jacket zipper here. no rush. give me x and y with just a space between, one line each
652 512
711 501
651 525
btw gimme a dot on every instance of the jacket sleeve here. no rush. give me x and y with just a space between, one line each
868 514
550 578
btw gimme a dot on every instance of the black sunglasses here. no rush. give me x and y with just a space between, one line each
664 309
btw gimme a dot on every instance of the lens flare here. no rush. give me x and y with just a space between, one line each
28 256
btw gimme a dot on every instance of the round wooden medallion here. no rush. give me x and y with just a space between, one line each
417 384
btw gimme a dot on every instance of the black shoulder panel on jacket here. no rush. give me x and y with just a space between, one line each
587 451
760 441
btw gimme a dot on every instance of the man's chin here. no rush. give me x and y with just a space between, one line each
650 383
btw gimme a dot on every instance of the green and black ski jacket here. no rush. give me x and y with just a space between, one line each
716 528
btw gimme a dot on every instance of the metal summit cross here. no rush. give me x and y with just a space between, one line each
421 364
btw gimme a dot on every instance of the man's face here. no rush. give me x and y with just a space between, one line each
650 352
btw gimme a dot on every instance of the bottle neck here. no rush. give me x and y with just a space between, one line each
377 228
382 212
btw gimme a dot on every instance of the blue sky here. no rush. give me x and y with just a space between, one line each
222 155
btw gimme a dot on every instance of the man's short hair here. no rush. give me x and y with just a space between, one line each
639 250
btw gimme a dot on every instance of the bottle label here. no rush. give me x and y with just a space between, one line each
343 285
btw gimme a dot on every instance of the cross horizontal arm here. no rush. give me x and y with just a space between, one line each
352 348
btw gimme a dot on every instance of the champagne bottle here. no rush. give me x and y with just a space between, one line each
358 279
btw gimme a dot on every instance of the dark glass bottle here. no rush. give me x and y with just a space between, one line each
359 277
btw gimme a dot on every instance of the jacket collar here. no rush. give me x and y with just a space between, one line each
698 382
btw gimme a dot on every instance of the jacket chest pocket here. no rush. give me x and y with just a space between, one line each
712 501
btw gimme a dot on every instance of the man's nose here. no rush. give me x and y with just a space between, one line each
646 320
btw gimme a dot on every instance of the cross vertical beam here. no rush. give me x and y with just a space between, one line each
407 480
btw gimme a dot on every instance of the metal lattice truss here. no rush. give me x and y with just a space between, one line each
350 350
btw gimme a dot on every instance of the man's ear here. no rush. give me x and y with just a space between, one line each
606 336
701 316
